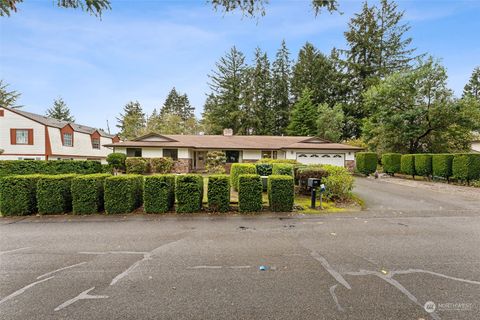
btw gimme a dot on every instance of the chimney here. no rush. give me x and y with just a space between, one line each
228 132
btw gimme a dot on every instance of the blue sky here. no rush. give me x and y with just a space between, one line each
141 49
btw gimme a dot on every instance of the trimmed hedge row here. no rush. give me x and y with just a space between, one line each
136 165
423 165
282 169
466 167
442 165
407 164
281 193
18 195
391 163
54 194
123 194
88 193
366 162
19 167
189 193
218 194
159 193
240 168
263 169
249 193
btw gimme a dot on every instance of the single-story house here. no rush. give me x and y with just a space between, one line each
190 151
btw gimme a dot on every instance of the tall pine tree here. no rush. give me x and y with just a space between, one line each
303 117
472 88
281 104
226 84
177 104
132 121
59 111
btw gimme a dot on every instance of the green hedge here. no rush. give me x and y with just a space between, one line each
442 165
238 169
281 193
123 194
117 161
249 193
338 183
17 167
366 162
189 193
466 166
407 164
87 193
18 195
263 169
161 165
54 194
284 169
159 193
391 163
137 165
219 192
423 165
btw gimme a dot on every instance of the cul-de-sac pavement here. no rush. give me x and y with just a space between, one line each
411 253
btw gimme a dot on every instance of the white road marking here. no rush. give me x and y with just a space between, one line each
334 296
22 290
14 250
240 267
82 296
112 252
334 273
433 273
61 269
206 267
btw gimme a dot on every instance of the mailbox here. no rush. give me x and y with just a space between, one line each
314 182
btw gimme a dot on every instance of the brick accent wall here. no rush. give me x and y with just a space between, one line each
350 165
182 166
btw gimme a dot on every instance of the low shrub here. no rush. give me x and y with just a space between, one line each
466 166
391 163
281 193
218 193
407 164
442 165
161 165
249 193
117 161
87 193
18 167
123 194
338 183
18 195
215 162
240 168
136 165
366 162
189 193
54 194
423 165
159 193
264 169
285 169
311 171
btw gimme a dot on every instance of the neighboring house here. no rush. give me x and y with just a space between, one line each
29 136
190 151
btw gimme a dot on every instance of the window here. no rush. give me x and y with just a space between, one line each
134 152
170 153
68 140
21 136
233 156
302 155
314 155
96 143
337 156
269 154
326 156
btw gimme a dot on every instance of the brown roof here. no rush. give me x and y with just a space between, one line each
232 142
59 123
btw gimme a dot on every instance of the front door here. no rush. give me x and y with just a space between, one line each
201 157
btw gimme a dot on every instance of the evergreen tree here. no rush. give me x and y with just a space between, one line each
177 104
303 116
59 111
330 122
472 88
132 121
281 105
226 83
313 70
153 123
256 111
8 99
377 47
211 112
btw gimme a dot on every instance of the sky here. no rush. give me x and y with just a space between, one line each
139 50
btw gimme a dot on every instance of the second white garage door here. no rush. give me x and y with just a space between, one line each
337 159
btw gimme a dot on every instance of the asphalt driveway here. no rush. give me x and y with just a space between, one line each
383 263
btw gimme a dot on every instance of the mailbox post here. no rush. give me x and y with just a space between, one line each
313 183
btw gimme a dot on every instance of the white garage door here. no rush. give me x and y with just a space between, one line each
337 159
